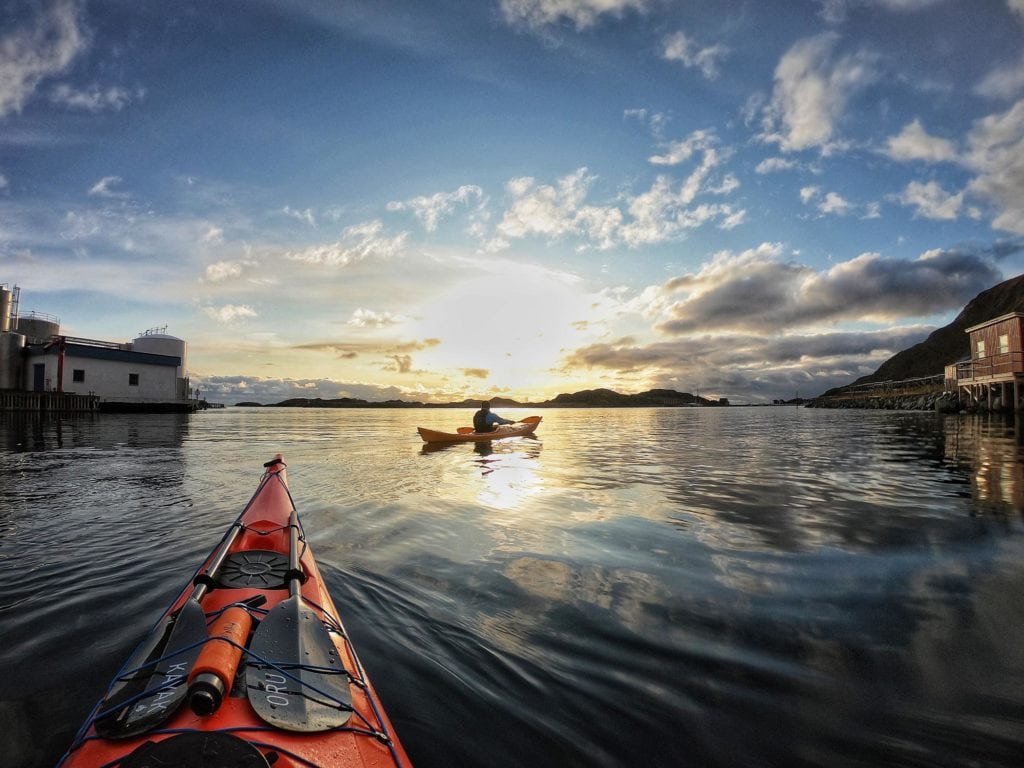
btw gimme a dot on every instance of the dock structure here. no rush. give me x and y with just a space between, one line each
993 377
48 402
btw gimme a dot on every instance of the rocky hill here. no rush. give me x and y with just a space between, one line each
588 398
606 398
949 344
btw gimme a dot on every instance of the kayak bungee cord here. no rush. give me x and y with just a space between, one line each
278 685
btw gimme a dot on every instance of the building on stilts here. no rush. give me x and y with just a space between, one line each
993 377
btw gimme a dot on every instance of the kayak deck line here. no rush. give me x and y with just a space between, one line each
301 698
526 426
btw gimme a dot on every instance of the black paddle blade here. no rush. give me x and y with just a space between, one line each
294 638
149 697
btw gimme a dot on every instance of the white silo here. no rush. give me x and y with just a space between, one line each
156 342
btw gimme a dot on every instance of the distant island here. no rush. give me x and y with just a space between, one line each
588 398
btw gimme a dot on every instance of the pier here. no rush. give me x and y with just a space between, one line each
48 402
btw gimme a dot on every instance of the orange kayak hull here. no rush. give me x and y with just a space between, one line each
514 430
367 740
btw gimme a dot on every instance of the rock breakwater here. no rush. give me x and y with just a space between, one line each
941 402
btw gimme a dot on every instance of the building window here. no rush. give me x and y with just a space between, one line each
133 379
981 347
78 375
1004 343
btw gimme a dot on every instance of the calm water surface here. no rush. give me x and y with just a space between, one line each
688 587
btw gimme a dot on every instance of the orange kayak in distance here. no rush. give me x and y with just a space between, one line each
525 426
250 666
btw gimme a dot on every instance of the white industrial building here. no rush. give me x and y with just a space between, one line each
147 374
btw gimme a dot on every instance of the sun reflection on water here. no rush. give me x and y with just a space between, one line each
509 473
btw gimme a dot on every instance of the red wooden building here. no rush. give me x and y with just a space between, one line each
994 374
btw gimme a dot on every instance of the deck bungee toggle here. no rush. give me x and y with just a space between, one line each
255 647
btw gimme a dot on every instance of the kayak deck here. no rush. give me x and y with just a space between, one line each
506 430
299 695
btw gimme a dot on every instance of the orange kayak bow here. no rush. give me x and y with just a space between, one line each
250 666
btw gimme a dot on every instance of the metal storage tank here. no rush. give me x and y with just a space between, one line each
11 345
161 344
38 327
6 297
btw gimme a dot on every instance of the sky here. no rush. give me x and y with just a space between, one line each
437 199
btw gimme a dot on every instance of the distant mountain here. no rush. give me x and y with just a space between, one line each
950 343
588 398
606 398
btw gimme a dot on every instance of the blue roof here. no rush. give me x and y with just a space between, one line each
103 353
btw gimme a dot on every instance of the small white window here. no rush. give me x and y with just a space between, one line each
981 347
1004 343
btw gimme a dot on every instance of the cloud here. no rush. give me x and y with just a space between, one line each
835 11
747 367
430 210
4 183
236 389
996 154
95 98
78 226
681 151
914 143
402 364
358 243
749 325
41 49
743 351
656 121
305 216
832 203
102 188
367 318
213 234
812 88
756 291
225 270
664 212
931 201
835 203
555 211
230 313
1004 82
679 47
350 348
773 164
537 14
476 373
1017 7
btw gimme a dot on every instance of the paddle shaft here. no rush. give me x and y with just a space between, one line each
295 575
207 576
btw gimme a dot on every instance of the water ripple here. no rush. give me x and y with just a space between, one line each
713 587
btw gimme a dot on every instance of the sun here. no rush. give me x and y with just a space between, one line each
514 322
